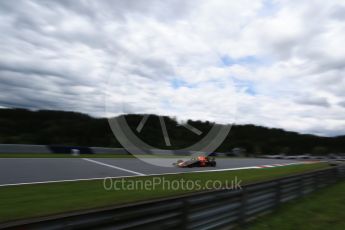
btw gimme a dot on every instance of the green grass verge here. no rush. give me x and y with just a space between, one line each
321 210
25 201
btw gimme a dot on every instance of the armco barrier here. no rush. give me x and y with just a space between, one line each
204 210
21 148
16 148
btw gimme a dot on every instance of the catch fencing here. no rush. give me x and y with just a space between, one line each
203 210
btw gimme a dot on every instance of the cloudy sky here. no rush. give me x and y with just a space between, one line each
273 63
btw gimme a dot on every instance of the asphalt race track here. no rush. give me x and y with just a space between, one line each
31 170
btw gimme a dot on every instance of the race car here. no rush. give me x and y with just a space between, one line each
200 161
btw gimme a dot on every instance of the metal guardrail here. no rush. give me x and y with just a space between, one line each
204 210
34 149
304 157
37 149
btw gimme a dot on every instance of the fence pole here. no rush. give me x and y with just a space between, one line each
185 213
244 200
316 180
301 186
278 193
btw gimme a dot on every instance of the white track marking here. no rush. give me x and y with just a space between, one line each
118 177
219 170
143 175
112 166
60 181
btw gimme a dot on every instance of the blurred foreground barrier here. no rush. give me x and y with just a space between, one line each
203 210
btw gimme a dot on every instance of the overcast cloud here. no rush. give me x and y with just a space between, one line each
273 63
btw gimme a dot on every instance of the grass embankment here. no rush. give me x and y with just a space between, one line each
25 201
318 211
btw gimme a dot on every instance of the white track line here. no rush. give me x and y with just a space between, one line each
112 166
117 177
142 175
213 170
60 181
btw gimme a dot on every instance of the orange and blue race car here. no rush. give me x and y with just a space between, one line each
200 161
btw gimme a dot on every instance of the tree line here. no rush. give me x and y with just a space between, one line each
21 126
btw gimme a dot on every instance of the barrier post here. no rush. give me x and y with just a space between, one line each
278 193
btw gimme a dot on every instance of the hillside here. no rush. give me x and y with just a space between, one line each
22 126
